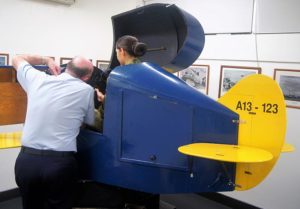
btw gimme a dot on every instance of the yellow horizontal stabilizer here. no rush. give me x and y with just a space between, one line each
260 104
10 140
226 152
287 148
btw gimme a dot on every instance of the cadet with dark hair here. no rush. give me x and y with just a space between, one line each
128 49
46 170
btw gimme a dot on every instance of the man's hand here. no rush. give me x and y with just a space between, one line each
37 60
53 67
100 96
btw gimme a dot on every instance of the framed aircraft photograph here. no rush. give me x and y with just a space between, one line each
230 75
196 76
289 82
102 64
4 59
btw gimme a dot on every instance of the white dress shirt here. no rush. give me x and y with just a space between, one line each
56 108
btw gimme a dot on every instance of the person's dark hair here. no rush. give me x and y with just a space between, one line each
131 45
79 72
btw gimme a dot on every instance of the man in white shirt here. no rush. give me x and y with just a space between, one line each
57 105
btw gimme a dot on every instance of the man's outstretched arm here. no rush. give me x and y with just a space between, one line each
36 60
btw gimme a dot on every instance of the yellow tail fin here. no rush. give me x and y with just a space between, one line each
260 103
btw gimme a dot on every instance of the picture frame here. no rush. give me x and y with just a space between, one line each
65 60
230 75
4 59
102 64
196 76
289 82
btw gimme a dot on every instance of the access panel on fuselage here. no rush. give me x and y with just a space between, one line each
153 128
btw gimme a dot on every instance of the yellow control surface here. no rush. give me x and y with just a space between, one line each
226 153
287 148
260 104
10 140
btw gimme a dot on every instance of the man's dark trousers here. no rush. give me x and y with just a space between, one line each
46 178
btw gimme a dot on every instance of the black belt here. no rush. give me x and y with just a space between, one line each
33 151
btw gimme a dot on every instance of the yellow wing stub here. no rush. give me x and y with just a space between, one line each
10 140
260 104
287 148
226 152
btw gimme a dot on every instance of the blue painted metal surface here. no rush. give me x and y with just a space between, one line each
191 47
149 113
162 26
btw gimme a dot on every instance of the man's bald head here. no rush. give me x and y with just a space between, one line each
80 67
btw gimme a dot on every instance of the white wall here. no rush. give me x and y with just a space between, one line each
216 16
85 28
286 14
51 29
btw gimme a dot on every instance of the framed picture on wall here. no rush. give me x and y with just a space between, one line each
65 60
230 75
102 64
289 82
4 59
196 76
